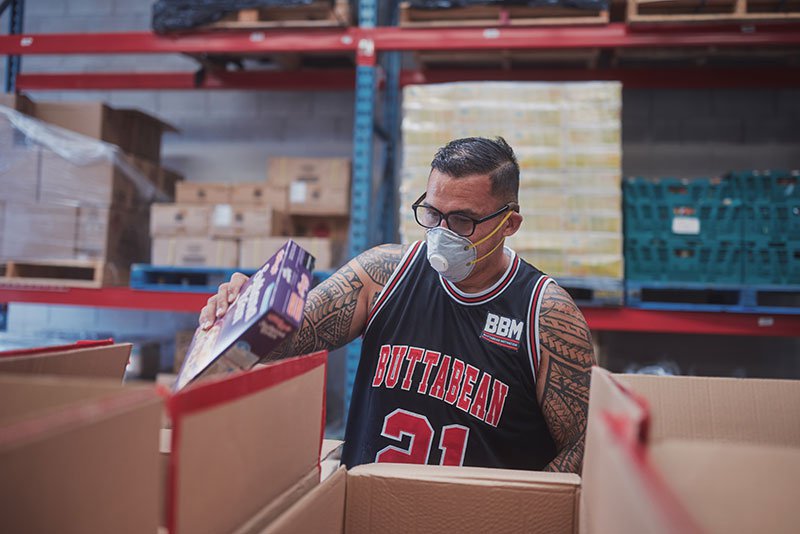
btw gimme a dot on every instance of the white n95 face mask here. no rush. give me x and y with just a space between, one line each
454 256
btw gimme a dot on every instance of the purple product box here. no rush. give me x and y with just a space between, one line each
269 309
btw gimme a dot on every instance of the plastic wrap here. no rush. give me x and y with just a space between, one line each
177 15
66 196
567 140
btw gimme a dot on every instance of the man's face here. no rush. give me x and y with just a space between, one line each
471 196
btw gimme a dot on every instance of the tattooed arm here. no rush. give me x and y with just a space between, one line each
562 387
337 309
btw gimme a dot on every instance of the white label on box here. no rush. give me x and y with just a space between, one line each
686 225
223 215
297 192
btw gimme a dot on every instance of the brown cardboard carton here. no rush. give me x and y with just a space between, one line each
320 510
98 359
316 186
38 231
162 178
19 173
459 499
195 252
240 442
312 226
115 235
133 131
254 251
96 183
229 220
250 194
202 193
633 481
17 102
78 456
170 220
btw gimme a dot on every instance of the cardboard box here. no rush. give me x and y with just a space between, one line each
251 194
162 178
38 231
133 131
88 359
114 235
19 173
195 252
638 478
316 186
252 251
459 499
100 183
202 193
17 102
311 226
229 220
78 456
268 309
240 443
320 510
171 220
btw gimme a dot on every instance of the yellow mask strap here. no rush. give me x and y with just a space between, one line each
497 228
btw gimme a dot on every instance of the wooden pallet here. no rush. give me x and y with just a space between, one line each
498 16
318 14
61 273
704 11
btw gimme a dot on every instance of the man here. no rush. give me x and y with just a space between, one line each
470 355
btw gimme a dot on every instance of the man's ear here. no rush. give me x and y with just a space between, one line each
512 224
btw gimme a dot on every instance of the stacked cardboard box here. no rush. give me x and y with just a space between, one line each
242 224
68 197
567 140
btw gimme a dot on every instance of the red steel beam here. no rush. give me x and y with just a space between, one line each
108 297
333 79
616 35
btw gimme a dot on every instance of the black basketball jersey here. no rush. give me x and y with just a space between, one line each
449 378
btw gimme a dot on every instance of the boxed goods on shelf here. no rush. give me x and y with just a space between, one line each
313 186
326 251
195 252
229 220
173 220
566 137
203 193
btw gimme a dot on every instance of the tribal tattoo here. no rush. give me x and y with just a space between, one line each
336 310
566 345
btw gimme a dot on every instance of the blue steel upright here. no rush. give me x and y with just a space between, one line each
16 14
361 194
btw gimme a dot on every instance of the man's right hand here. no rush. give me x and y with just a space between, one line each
218 304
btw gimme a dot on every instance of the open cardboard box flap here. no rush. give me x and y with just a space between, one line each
240 442
90 359
734 437
78 455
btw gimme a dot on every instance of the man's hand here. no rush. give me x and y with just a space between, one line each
218 304
562 387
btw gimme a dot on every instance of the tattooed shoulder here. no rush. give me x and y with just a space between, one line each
567 358
380 262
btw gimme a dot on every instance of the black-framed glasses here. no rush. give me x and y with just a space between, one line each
463 225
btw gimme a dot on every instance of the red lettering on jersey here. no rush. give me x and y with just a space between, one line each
437 390
431 359
499 393
380 369
398 355
479 402
470 376
414 356
455 381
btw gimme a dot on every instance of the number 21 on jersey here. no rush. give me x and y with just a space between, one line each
401 423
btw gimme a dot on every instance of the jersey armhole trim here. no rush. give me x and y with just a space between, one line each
534 352
394 281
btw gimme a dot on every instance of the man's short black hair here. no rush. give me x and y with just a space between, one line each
479 155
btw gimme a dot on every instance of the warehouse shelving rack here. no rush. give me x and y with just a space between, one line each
377 64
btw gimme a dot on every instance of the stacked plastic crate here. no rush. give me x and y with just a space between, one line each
567 139
771 226
679 230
